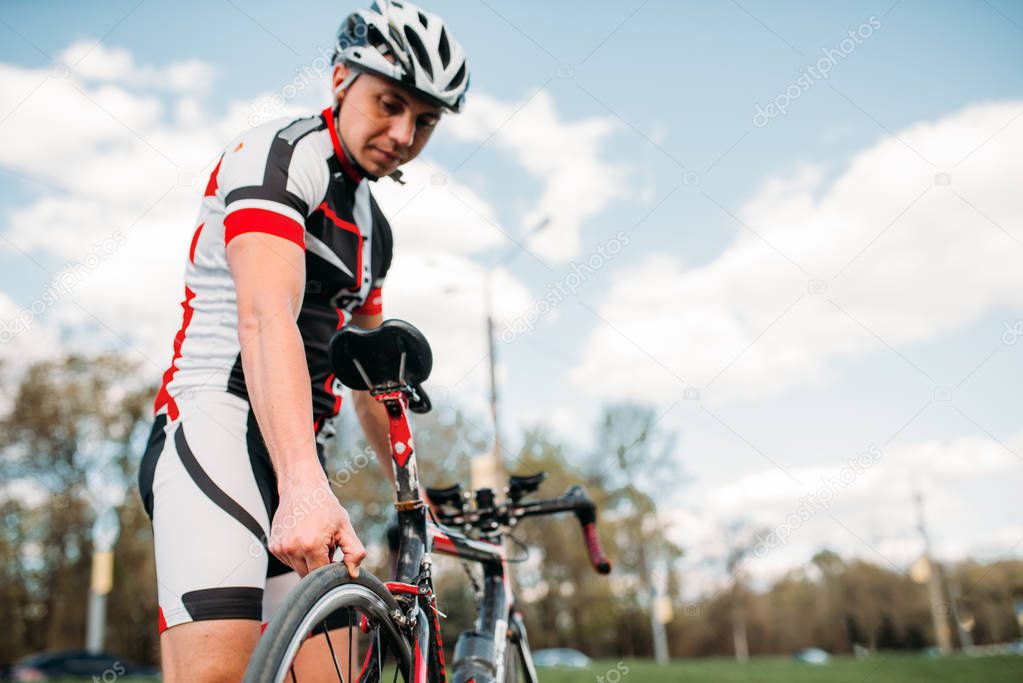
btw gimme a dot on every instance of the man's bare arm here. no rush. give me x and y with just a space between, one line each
269 275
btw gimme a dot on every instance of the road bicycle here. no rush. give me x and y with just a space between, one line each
396 624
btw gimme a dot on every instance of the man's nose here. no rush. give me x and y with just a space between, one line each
403 130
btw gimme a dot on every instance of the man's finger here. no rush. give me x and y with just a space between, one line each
353 558
317 559
297 563
354 554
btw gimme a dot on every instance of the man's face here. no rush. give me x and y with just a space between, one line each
383 125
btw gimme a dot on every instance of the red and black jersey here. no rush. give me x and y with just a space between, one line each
290 178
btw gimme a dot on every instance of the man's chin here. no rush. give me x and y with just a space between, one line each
374 166
380 170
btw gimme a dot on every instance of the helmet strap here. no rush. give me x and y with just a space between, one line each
352 75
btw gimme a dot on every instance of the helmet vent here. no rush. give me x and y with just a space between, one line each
416 44
444 48
422 20
457 80
376 39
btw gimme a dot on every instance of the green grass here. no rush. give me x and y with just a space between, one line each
881 669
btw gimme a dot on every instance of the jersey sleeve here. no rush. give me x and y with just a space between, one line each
269 178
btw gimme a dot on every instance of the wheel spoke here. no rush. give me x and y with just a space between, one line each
333 657
350 629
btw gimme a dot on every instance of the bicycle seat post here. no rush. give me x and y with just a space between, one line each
362 372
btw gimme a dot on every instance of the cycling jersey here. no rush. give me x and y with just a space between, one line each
206 479
290 178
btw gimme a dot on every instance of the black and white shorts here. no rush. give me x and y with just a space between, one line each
209 487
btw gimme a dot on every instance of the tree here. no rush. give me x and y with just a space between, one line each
635 461
67 441
740 542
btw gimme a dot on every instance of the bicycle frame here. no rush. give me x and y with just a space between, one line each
418 538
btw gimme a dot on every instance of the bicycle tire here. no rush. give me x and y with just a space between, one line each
318 595
512 657
518 661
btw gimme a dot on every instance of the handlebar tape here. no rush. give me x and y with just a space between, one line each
597 557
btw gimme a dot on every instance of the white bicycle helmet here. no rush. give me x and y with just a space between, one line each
423 55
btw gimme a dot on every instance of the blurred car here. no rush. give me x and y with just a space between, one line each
812 655
561 656
44 666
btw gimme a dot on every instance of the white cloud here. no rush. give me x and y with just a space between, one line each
873 505
939 261
432 211
122 159
563 156
90 61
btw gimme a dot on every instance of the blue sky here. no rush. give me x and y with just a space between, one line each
649 106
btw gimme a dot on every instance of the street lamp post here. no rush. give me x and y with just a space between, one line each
488 469
932 577
104 535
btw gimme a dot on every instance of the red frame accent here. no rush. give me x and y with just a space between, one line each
398 431
403 588
419 669
442 543
365 662
408 589
439 645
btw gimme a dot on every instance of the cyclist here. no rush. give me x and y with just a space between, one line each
289 247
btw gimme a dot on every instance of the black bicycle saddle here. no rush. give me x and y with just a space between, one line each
394 353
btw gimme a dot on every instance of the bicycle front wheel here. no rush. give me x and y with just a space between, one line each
374 649
512 657
518 660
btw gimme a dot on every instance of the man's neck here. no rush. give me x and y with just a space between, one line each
344 148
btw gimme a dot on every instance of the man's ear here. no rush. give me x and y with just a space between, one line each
337 79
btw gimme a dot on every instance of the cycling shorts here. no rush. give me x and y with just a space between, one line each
209 487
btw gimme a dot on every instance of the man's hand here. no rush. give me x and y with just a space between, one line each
309 524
